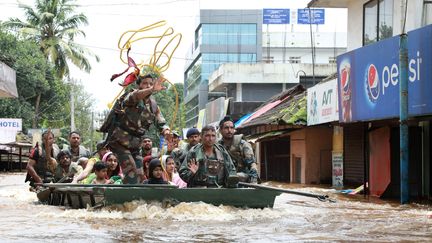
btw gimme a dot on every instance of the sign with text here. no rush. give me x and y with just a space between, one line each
337 171
9 128
318 16
322 103
276 16
368 79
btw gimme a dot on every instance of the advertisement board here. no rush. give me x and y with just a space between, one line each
368 79
322 103
9 128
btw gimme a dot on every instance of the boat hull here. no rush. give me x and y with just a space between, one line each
82 196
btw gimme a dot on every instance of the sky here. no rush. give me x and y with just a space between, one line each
108 19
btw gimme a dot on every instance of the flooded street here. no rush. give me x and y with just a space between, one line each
294 218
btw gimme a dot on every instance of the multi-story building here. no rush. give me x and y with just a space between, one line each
261 59
221 36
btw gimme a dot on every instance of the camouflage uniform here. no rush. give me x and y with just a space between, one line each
241 153
131 121
212 172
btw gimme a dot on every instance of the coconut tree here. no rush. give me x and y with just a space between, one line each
54 25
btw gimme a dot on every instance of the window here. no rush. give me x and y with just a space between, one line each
294 59
378 21
332 60
229 34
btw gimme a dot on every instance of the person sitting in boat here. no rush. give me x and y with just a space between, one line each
240 150
66 169
179 153
208 163
156 173
41 165
101 150
114 173
101 171
147 145
146 162
172 176
75 148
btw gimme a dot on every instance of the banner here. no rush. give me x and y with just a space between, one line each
322 103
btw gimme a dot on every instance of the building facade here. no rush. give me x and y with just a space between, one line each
221 36
368 80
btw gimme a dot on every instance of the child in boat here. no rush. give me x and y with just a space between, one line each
172 176
155 173
114 172
101 171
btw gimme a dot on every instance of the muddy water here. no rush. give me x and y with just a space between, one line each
294 218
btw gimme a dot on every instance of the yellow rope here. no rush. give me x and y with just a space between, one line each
153 62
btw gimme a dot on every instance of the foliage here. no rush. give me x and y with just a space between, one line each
34 75
54 25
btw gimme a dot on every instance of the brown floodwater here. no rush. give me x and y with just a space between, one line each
293 218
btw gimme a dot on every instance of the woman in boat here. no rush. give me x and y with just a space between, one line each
156 173
172 176
114 173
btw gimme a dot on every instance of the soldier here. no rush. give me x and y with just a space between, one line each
240 151
134 112
75 148
42 165
193 137
178 154
208 164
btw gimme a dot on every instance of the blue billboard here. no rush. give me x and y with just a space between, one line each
318 16
276 16
368 79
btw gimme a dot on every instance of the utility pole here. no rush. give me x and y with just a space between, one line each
72 105
91 132
403 108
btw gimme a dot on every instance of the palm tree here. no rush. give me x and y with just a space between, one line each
53 24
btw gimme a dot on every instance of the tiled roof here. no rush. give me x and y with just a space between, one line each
291 109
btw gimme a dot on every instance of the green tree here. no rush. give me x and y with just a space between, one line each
54 25
34 76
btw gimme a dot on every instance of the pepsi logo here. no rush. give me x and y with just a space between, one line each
373 83
345 73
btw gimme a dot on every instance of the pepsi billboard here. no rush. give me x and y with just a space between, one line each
368 79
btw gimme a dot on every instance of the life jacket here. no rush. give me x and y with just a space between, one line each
211 172
235 151
41 166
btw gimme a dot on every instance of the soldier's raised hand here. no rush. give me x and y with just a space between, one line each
158 84
193 165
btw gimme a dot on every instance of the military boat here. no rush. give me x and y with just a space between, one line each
84 196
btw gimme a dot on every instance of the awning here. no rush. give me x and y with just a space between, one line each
261 136
8 87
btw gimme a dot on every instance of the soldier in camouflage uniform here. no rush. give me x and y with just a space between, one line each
208 164
134 112
240 151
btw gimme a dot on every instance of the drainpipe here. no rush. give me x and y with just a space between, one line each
403 109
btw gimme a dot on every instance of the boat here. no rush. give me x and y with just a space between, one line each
95 196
